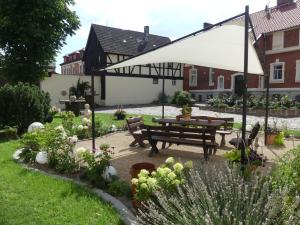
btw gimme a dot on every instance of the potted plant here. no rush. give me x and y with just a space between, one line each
120 114
274 135
186 112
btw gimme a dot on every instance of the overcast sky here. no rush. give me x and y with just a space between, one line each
171 18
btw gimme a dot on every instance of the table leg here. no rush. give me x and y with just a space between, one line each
222 144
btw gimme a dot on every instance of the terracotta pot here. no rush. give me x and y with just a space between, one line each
186 117
271 138
134 171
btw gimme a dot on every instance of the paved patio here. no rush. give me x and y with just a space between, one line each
125 156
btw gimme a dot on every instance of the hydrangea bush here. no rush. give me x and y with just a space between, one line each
167 177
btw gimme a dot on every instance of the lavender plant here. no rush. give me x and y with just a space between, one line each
217 197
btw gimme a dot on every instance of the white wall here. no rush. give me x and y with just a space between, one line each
128 90
55 84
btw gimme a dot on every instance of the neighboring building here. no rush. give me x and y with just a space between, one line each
277 30
73 64
129 85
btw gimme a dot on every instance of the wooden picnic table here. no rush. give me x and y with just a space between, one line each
193 122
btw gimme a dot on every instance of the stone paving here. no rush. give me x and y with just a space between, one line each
291 123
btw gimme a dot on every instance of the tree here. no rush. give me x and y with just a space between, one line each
31 34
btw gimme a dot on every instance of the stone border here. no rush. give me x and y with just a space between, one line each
127 216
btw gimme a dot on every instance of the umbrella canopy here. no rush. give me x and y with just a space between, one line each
221 47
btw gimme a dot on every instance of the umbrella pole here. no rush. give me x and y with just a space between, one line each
93 109
267 105
163 98
243 150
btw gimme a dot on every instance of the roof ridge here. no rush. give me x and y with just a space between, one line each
120 29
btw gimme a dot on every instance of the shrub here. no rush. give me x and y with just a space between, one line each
120 114
183 98
216 197
287 173
95 165
68 121
23 104
279 139
174 98
119 188
167 177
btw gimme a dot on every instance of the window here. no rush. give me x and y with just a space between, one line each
170 65
193 77
173 82
277 40
221 82
277 72
155 81
211 76
297 78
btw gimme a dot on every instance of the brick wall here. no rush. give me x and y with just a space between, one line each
290 68
291 38
202 79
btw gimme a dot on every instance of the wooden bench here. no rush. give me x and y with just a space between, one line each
224 129
204 137
134 127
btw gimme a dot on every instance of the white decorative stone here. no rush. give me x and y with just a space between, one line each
109 172
35 126
42 157
248 127
16 155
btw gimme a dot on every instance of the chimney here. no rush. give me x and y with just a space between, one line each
284 2
146 33
205 25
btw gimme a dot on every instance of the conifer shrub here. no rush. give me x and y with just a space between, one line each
22 104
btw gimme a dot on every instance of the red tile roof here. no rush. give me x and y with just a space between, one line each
280 18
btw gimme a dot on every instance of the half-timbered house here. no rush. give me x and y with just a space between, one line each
129 85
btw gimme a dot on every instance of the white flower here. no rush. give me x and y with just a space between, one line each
134 181
42 157
169 160
86 121
85 127
178 167
80 127
80 150
113 128
18 152
73 140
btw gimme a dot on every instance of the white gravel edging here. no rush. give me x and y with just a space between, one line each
126 215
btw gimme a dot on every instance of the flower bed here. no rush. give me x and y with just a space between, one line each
280 106
53 149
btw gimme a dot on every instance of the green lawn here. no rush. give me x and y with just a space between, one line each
28 197
105 117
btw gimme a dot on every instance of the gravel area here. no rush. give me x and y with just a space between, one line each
291 123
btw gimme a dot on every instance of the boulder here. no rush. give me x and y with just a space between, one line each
42 157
